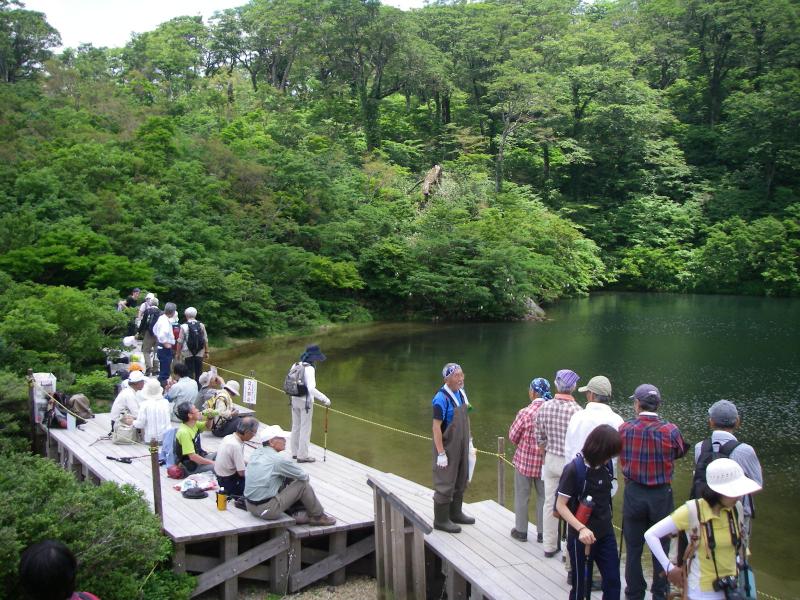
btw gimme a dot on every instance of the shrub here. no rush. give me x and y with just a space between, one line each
111 530
14 413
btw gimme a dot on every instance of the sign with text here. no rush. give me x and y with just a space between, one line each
249 391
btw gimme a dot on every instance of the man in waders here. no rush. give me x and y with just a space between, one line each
450 451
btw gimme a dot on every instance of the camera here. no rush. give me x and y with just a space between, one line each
729 585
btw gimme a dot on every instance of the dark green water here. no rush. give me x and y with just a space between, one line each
696 349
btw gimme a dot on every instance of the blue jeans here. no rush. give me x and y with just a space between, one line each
164 363
602 553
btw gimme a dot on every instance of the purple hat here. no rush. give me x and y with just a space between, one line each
568 379
647 394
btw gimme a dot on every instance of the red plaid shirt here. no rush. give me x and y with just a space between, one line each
552 421
528 457
650 445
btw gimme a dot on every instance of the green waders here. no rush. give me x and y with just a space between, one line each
449 483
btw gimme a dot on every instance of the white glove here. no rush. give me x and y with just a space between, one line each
326 402
441 461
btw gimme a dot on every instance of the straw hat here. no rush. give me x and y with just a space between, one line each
232 386
726 477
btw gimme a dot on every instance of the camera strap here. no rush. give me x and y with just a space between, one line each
735 539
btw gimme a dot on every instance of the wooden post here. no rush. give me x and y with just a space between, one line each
156 481
501 471
32 402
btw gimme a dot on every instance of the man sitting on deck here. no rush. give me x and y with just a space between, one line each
229 465
188 450
127 401
273 483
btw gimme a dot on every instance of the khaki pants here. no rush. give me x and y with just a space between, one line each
551 473
149 346
301 426
297 490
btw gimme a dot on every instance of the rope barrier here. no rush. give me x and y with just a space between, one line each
32 382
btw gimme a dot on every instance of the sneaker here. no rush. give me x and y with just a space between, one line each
539 538
321 520
294 456
522 537
550 553
308 459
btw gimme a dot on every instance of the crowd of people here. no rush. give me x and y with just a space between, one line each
568 455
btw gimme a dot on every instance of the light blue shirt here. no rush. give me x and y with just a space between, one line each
183 390
265 473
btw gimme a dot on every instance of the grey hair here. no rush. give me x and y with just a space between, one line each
170 308
562 388
246 425
190 312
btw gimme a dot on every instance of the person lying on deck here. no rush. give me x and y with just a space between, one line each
273 483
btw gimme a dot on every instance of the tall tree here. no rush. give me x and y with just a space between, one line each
25 41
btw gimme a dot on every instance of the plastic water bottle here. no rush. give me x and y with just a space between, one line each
584 510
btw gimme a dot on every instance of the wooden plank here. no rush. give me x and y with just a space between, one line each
229 549
279 568
333 563
398 536
380 572
398 504
455 584
418 564
241 563
179 558
196 563
388 565
337 544
295 556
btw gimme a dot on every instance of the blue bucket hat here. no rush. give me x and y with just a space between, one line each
312 354
541 386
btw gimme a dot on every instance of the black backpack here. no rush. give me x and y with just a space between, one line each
195 341
149 319
707 455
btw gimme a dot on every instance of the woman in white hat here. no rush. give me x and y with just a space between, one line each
713 525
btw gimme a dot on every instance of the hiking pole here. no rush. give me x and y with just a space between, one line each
587 572
325 439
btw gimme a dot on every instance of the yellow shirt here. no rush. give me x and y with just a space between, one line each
725 552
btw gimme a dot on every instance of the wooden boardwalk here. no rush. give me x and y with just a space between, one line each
220 546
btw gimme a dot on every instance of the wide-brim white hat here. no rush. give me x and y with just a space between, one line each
268 432
232 386
726 477
151 390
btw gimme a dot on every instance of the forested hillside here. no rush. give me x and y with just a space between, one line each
266 167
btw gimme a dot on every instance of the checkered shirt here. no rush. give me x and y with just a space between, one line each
528 457
552 421
650 445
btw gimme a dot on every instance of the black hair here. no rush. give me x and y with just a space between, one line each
649 404
180 369
47 571
713 498
603 443
183 410
602 399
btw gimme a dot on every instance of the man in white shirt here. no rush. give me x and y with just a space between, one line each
166 341
229 465
127 401
154 412
597 412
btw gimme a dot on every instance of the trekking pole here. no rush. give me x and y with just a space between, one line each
587 572
325 439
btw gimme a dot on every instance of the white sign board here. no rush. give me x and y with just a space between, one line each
249 391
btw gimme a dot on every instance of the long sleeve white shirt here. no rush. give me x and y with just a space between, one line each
163 330
125 400
311 384
153 419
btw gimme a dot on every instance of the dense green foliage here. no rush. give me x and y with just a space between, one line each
100 524
265 167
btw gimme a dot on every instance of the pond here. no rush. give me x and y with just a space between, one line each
696 349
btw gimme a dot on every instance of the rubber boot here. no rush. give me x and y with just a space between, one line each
441 519
457 515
